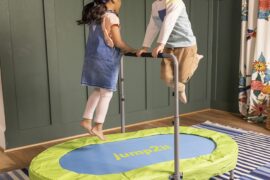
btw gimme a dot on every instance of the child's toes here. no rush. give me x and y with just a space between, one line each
99 134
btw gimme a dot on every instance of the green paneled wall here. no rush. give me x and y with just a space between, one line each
226 52
42 50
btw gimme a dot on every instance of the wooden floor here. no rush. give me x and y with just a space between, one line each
21 158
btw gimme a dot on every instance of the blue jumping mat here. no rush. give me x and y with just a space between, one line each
126 155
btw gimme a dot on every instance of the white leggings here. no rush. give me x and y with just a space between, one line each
98 101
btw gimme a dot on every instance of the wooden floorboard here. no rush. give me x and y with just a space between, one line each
21 158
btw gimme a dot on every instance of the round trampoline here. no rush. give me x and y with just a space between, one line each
146 154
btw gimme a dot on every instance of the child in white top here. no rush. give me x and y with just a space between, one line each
176 36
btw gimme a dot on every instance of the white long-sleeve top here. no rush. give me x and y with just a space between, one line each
171 19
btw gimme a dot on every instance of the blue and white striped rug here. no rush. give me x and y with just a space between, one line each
254 153
253 160
19 174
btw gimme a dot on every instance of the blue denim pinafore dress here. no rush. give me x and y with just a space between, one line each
101 63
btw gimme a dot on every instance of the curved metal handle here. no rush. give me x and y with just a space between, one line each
177 174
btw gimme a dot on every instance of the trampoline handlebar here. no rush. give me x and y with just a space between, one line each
149 55
177 175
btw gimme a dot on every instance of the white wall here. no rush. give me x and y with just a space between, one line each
2 118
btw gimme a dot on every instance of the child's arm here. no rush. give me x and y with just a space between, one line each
173 10
150 34
117 40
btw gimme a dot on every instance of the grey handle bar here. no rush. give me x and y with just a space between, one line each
160 55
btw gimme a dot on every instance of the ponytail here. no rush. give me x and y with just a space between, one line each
93 12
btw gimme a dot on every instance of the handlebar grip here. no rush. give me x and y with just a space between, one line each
149 55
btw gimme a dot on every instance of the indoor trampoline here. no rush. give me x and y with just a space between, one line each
151 154
146 154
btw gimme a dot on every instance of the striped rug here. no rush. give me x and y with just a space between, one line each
253 160
19 174
254 153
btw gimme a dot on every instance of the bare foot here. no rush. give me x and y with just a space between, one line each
99 133
86 124
183 97
199 56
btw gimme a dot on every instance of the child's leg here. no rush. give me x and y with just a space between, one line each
90 109
188 62
167 74
195 65
166 69
101 112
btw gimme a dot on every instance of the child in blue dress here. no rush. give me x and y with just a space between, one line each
102 60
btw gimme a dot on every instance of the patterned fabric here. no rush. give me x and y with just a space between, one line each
254 84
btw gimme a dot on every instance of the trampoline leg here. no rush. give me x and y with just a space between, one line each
122 96
174 177
232 175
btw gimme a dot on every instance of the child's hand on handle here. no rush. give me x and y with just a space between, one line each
157 50
140 51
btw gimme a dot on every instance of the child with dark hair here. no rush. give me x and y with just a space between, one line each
102 59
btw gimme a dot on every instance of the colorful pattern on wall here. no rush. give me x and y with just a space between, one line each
254 80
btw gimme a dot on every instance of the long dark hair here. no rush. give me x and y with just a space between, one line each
93 12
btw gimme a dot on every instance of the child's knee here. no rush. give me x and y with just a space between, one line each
189 69
106 93
168 82
194 66
166 72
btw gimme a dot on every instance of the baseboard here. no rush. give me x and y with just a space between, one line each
107 130
2 141
219 110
